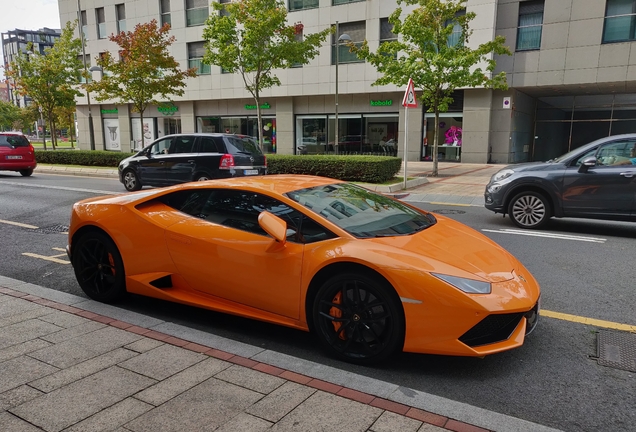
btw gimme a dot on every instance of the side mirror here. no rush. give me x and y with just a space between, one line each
587 163
274 226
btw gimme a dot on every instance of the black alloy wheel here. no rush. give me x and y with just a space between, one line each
99 268
358 319
26 172
131 181
530 210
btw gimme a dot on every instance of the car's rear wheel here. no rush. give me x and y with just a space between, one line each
358 319
202 177
99 268
131 181
529 210
26 172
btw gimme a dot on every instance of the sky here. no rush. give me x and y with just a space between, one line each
28 15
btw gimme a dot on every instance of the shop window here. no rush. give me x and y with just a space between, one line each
449 142
196 12
620 21
357 33
530 25
295 5
120 12
164 9
243 126
196 51
101 23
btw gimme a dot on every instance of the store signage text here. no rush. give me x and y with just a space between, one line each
388 102
266 105
109 111
168 109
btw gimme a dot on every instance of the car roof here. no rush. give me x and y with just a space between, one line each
12 133
277 183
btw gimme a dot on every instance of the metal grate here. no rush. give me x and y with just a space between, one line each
616 349
52 229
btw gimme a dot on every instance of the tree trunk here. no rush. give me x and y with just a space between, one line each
141 125
260 122
52 129
71 125
435 141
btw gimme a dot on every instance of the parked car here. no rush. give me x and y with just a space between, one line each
595 181
16 153
370 275
181 158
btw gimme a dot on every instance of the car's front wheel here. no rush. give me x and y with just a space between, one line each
358 319
26 172
131 181
99 268
529 210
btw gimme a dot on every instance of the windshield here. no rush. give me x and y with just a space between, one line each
362 213
242 144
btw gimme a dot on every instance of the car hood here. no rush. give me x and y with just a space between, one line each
534 166
450 247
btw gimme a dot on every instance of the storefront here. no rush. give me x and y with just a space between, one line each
449 140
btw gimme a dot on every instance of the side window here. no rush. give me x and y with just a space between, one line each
234 209
161 147
616 153
188 201
183 144
207 145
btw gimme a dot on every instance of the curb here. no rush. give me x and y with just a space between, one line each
418 405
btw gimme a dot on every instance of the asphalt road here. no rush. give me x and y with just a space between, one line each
585 269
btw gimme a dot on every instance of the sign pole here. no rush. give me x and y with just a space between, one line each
406 136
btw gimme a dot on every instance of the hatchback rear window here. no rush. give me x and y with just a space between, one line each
13 141
238 144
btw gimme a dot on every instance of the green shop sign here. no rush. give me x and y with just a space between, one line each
168 109
388 102
110 111
266 105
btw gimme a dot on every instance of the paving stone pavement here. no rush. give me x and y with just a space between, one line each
65 368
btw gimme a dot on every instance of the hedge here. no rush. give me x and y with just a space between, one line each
368 169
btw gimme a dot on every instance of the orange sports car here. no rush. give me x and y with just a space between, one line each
366 273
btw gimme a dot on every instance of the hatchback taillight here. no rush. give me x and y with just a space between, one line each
227 161
31 149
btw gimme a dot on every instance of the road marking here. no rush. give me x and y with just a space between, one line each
95 191
588 321
52 258
548 235
18 224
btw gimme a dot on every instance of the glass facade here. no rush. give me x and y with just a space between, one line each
371 134
241 125
449 142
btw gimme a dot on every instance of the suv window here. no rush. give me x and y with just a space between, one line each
183 144
208 145
239 144
13 141
161 147
615 153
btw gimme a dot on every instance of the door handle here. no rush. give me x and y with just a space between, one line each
628 174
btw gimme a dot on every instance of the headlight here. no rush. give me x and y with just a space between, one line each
494 188
469 286
503 174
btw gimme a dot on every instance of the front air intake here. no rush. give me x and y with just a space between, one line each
492 329
162 282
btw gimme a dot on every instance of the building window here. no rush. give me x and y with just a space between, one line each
620 21
87 62
386 32
357 33
196 12
339 2
84 25
455 38
164 8
295 5
120 12
101 23
299 38
530 24
196 51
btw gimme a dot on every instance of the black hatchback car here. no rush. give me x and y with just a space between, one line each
595 181
182 158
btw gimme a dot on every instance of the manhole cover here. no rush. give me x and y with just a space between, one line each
448 211
52 229
616 350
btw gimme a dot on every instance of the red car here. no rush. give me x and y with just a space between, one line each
16 153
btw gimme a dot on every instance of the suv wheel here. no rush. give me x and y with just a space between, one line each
131 181
530 210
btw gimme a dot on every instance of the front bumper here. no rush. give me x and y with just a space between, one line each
494 201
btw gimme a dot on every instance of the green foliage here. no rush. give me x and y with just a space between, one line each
95 158
437 67
49 79
9 115
252 38
368 169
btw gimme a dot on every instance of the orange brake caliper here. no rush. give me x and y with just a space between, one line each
112 263
337 313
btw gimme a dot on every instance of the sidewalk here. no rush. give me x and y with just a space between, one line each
457 183
72 364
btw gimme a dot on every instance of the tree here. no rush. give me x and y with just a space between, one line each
252 37
144 72
50 79
65 116
433 49
9 115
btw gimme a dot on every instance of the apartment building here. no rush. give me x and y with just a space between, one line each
15 42
572 78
